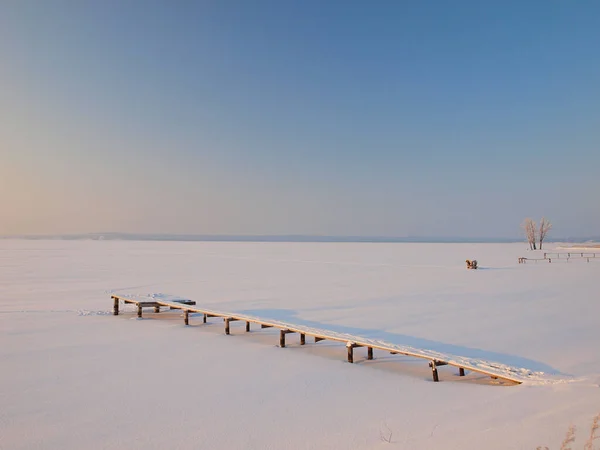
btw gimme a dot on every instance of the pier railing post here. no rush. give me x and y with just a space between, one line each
434 371
282 338
350 347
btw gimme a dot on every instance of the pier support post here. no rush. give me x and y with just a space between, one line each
461 372
116 306
247 327
226 325
350 352
157 309
369 353
139 310
434 371
282 338
302 339
204 319
186 317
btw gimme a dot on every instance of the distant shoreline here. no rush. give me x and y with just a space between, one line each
579 246
290 238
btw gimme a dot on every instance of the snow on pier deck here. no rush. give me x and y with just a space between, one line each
436 359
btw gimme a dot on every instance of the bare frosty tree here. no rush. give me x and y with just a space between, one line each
529 227
545 226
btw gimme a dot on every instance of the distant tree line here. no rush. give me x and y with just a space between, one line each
535 234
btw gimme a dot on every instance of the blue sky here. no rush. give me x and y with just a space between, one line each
299 117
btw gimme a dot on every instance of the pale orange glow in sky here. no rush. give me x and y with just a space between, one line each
205 119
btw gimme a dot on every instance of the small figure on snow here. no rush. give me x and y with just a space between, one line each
471 264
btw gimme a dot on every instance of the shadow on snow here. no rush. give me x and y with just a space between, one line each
290 316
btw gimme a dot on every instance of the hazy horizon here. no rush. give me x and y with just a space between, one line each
299 118
116 236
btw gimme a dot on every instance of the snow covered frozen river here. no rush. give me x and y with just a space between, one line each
73 376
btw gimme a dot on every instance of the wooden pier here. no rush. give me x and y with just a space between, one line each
352 342
561 256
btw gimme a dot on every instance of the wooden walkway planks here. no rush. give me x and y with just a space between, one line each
435 359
